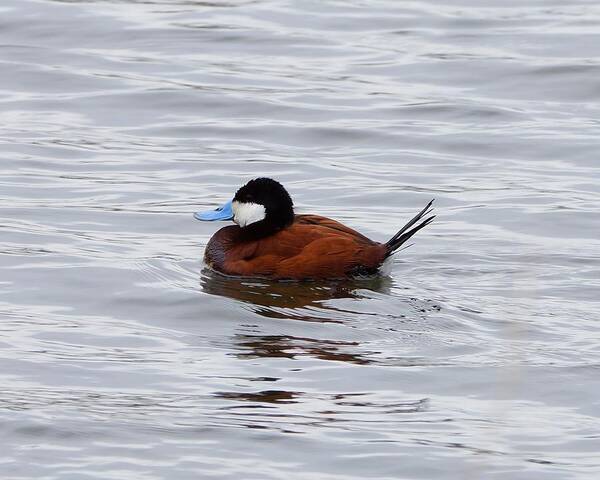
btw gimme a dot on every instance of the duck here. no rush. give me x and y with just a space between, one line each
269 240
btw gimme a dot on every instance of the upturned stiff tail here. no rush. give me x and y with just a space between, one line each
408 230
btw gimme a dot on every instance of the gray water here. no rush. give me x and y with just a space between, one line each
477 358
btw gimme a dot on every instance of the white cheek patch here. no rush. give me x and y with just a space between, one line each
246 213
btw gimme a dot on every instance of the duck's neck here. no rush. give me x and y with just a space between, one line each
263 228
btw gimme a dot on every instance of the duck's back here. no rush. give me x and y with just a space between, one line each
313 247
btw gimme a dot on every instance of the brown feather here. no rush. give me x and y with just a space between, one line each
312 247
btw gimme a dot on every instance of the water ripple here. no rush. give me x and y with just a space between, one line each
122 357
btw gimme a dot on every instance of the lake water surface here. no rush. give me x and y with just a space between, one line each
477 358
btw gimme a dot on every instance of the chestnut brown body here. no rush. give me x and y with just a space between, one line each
312 247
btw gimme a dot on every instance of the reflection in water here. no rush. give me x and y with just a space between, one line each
263 409
305 301
312 302
359 402
285 299
264 396
322 303
256 346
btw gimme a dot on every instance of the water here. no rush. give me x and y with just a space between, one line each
478 358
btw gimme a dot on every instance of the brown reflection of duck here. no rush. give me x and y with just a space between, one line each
294 300
288 346
305 301
264 396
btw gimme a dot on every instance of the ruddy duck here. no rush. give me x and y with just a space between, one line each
271 241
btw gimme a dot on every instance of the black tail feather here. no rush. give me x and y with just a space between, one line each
407 232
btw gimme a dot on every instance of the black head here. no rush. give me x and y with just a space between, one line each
262 207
